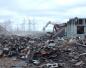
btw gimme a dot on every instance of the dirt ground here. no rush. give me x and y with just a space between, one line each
8 62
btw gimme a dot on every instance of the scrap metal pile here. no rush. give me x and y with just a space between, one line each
41 53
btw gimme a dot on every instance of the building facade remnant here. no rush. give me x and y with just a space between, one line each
76 27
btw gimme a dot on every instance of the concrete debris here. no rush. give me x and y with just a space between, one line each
43 52
36 62
79 63
1 51
52 65
20 65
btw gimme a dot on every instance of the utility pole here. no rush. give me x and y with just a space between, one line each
29 25
17 27
23 26
33 24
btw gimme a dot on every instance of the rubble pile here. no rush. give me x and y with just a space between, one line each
71 53
12 45
41 53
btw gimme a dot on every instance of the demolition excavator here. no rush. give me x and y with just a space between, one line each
58 29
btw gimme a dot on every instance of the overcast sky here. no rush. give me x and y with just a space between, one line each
41 11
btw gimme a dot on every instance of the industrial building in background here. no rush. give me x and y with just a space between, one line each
76 27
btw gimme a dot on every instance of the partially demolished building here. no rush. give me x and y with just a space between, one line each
76 27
